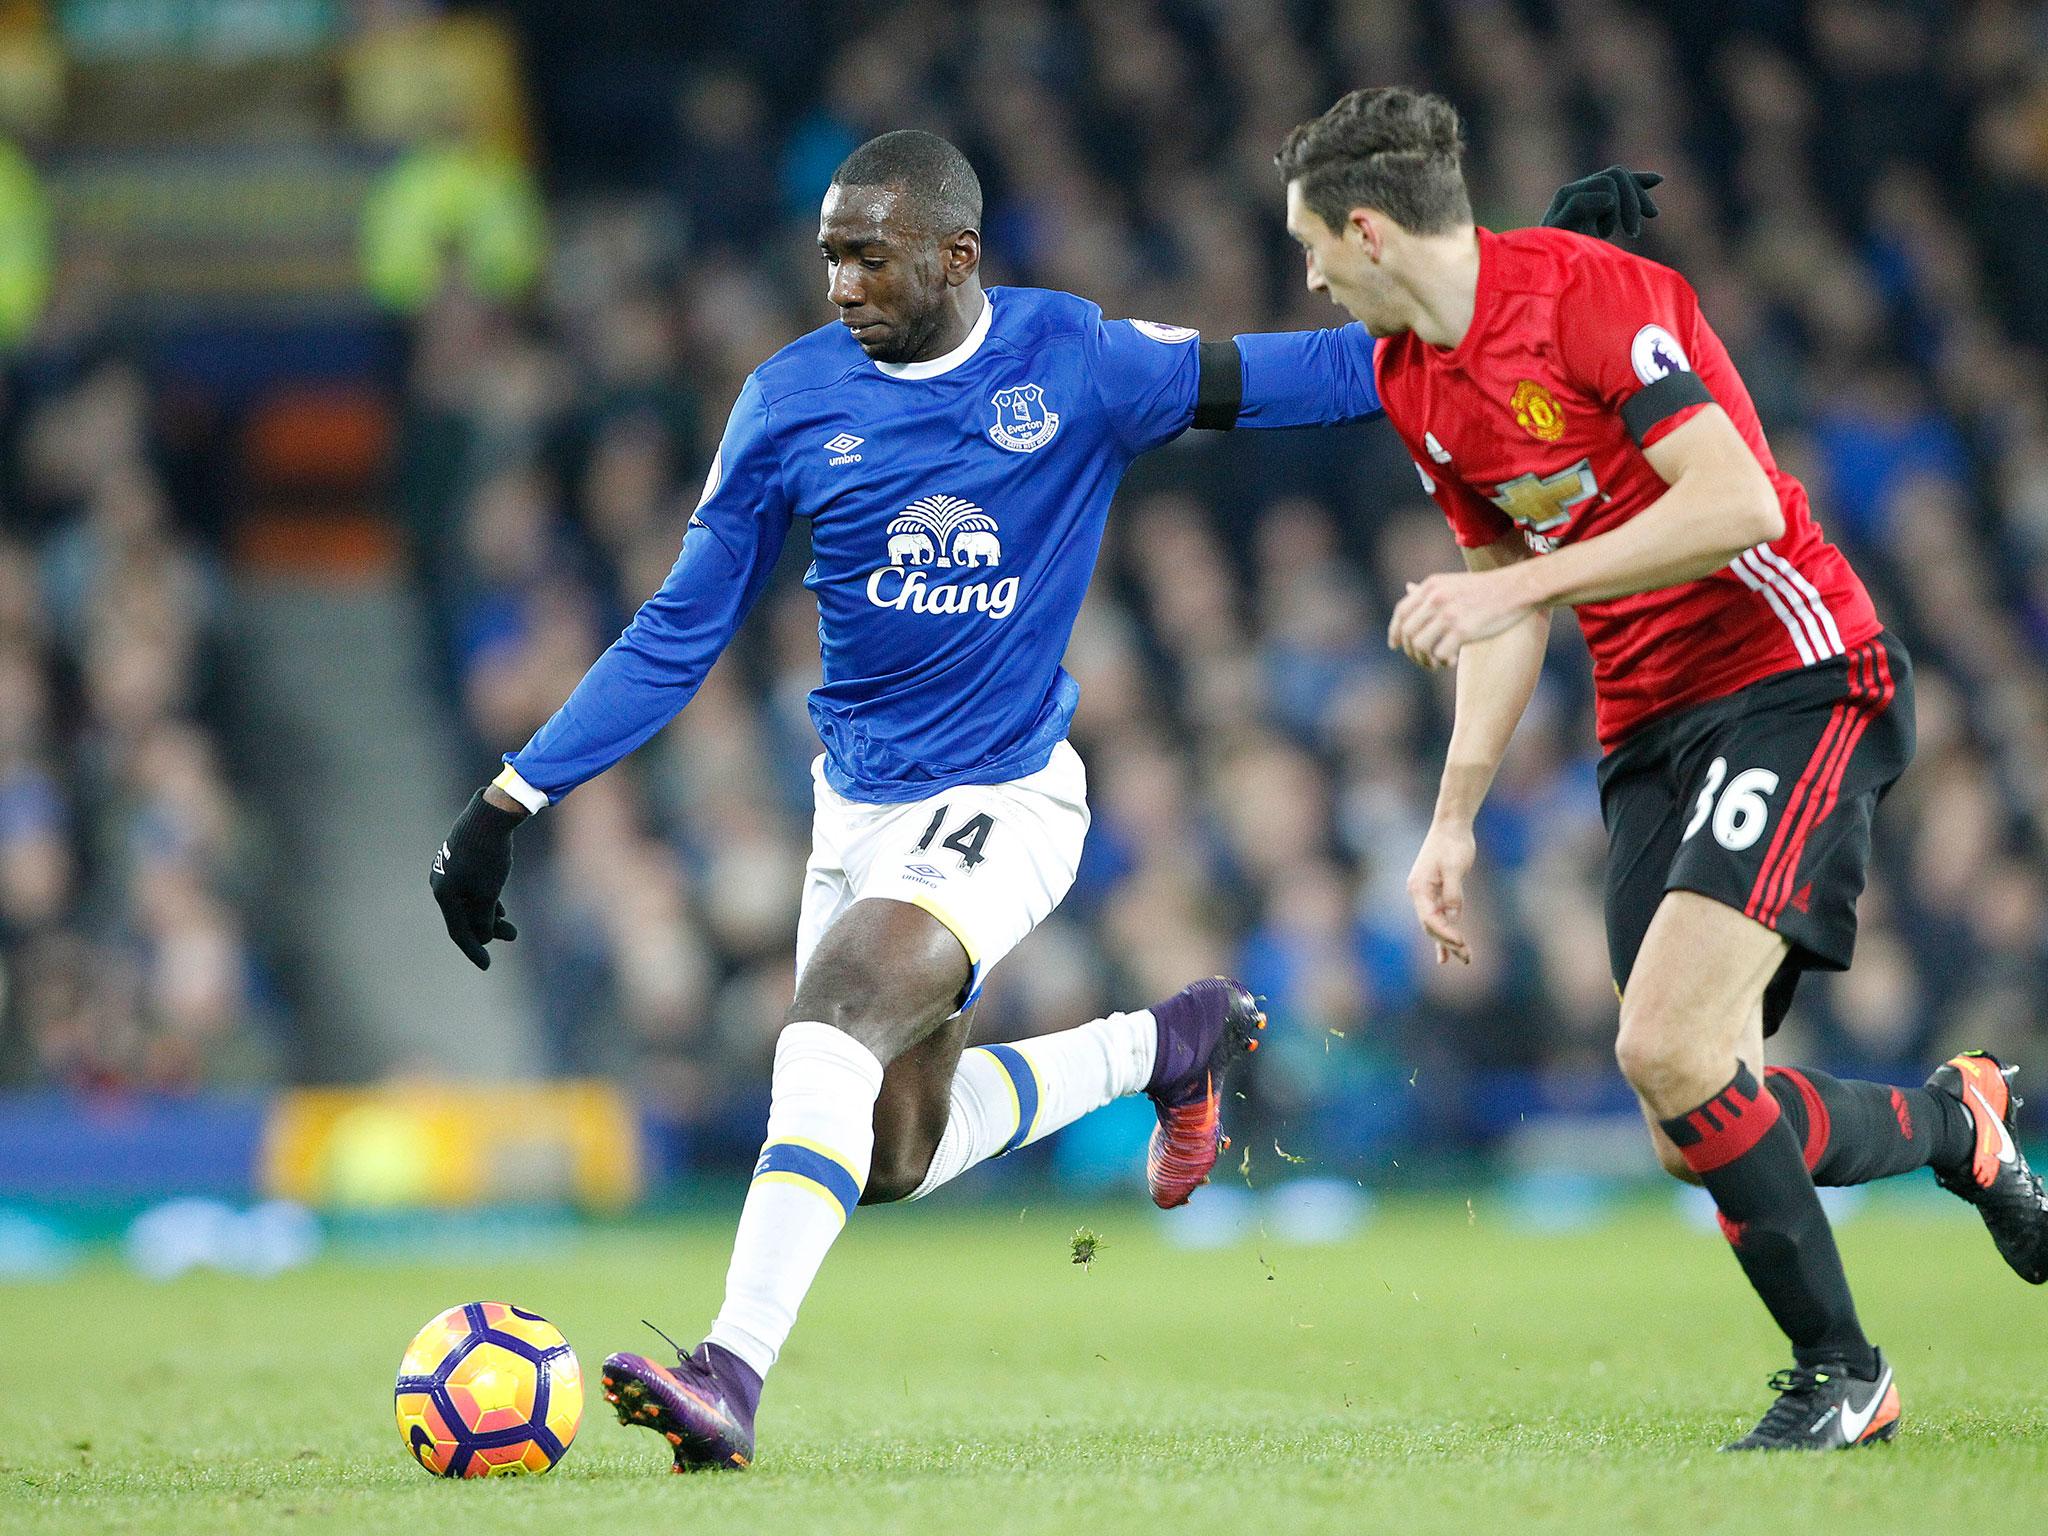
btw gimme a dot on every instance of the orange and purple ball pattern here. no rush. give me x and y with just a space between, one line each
488 1389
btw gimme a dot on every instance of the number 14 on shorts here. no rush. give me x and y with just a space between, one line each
966 840
1739 811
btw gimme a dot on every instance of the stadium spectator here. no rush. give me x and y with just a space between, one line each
126 865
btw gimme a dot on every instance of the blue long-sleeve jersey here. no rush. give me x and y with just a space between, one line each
956 508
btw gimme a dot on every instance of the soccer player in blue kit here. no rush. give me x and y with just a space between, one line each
955 451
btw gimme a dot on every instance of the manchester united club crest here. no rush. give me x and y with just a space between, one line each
1536 409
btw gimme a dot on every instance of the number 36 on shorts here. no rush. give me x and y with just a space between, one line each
1739 807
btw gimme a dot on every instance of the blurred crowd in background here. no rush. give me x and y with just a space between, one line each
127 866
1859 191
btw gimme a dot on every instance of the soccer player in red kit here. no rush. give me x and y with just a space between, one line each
1583 430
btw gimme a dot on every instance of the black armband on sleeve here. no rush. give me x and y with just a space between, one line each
1219 389
1661 401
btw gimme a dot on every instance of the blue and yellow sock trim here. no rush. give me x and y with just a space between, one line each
792 1160
1023 1090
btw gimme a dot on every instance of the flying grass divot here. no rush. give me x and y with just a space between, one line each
1085 1245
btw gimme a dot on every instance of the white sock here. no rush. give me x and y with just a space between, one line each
1008 1096
813 1166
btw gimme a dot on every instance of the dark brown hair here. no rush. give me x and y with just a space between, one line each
1389 148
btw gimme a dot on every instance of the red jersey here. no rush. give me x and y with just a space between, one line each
1581 355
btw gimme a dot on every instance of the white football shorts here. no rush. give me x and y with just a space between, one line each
990 861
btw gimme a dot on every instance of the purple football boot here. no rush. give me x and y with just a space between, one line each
703 1405
1202 1029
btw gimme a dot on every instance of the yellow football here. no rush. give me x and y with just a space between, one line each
487 1388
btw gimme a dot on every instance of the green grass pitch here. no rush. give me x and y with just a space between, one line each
1442 1371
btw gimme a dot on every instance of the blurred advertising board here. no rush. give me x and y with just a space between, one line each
447 1145
415 1146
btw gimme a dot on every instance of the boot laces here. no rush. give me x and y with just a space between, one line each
1796 1389
682 1355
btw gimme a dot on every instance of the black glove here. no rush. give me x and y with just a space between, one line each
468 873
1606 200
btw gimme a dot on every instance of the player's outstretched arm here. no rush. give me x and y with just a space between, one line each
1325 378
1496 678
638 685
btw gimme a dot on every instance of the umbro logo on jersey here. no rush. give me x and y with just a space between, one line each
841 448
1436 449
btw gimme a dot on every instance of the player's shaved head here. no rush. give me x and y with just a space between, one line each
900 231
937 189
1390 148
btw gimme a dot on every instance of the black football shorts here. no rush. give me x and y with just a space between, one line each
1762 801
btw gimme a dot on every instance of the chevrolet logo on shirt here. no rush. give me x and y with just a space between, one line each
1540 505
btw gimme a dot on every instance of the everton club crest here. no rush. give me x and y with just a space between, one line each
1023 422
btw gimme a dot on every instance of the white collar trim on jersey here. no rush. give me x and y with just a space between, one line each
970 344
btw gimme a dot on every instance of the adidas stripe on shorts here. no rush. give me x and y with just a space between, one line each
1762 801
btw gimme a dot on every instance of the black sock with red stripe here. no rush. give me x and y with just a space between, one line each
1853 1132
1749 1159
